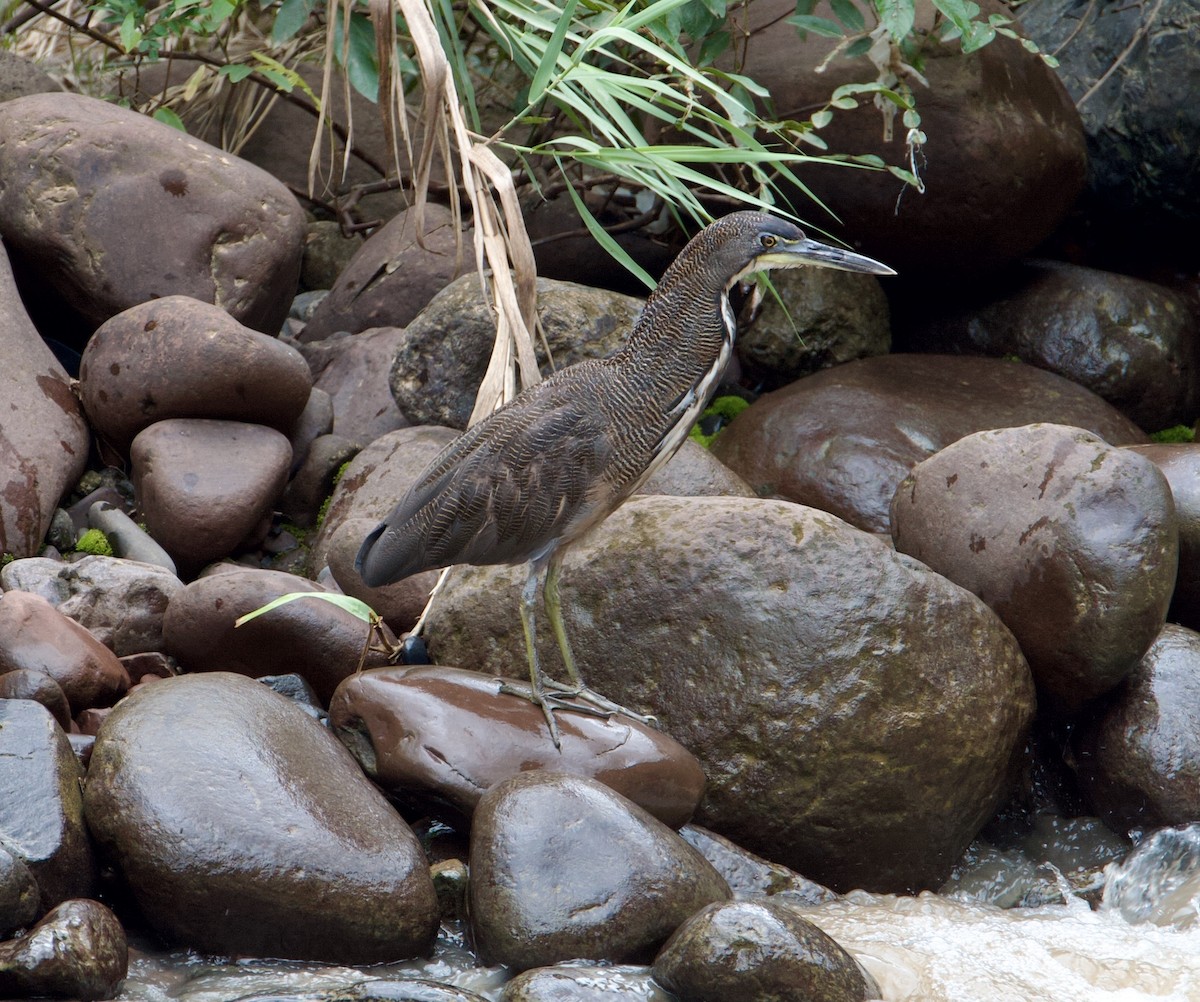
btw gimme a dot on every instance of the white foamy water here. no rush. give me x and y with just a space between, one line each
932 949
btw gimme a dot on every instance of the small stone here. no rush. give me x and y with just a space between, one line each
18 893
563 867
198 504
77 951
29 683
757 950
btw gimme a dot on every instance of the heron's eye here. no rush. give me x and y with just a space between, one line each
768 240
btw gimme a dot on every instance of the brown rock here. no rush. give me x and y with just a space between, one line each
29 683
758 950
695 472
41 806
43 437
563 867
1004 161
749 875
353 370
242 826
1129 341
35 635
1073 543
18 893
1139 758
177 357
207 488
77 951
110 209
1180 464
855 713
313 638
843 439
393 275
452 734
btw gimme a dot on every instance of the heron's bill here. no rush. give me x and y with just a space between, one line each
813 252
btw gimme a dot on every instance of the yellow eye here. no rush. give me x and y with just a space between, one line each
768 240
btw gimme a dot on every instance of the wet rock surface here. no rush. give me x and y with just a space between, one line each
444 352
843 439
77 951
29 683
35 635
563 867
1139 758
1129 341
1073 543
120 602
18 893
856 714
177 357
195 502
41 809
585 983
217 229
451 734
278 845
44 440
313 638
758 950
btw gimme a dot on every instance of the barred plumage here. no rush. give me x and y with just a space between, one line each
543 470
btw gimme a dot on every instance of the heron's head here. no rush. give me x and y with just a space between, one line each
745 242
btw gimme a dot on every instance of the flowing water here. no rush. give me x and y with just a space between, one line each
1141 944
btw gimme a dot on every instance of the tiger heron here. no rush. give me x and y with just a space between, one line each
536 475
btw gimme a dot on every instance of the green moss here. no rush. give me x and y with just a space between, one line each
324 509
95 542
717 415
1180 433
7 558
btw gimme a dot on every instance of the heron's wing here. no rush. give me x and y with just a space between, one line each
508 487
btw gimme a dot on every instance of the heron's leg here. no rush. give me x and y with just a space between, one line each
577 687
533 583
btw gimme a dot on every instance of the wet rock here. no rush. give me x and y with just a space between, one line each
278 847
41 808
1139 759
695 472
78 951
35 635
1129 341
444 352
197 503
119 602
393 275
585 983
1073 543
44 439
353 370
29 683
208 225
563 867
749 875
18 893
822 318
1003 164
315 639
177 357
451 734
855 713
759 950
1131 63
843 439
1180 464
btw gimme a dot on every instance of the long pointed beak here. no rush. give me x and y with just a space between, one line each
813 252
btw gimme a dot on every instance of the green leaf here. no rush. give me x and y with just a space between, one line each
168 117
896 16
289 19
848 13
550 56
354 606
236 72
822 118
817 25
605 239
359 58
130 34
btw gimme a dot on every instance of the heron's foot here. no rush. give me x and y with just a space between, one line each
603 705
